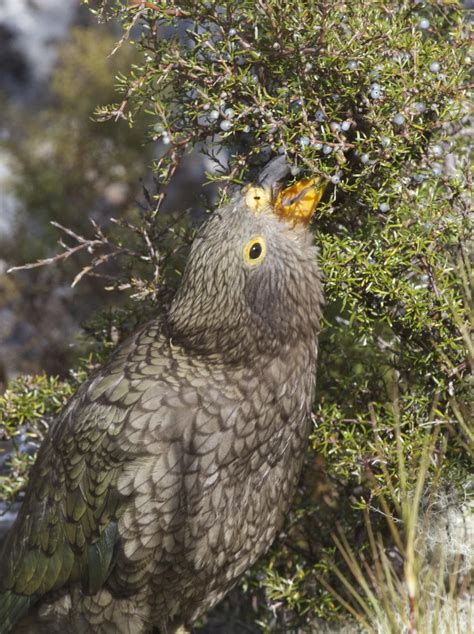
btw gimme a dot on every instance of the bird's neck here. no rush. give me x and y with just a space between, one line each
239 339
210 320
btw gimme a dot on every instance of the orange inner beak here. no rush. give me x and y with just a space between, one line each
299 201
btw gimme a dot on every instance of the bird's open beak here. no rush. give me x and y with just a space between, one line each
298 202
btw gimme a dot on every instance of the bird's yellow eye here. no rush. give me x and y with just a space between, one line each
254 250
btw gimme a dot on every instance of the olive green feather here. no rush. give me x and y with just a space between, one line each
12 608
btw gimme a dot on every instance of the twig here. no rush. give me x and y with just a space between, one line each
46 261
172 12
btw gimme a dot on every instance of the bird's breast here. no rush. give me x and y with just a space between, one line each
213 481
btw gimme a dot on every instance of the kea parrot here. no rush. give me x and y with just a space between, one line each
170 471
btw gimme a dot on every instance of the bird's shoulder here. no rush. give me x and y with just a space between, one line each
156 385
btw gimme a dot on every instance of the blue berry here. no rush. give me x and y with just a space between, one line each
319 116
352 64
225 125
214 115
305 141
327 149
424 24
420 106
336 179
399 119
385 141
345 125
229 113
434 67
384 207
365 158
232 32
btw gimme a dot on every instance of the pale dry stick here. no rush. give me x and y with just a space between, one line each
126 34
91 245
171 11
96 262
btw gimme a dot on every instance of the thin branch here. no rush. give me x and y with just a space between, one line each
172 12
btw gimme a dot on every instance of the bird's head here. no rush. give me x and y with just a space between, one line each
252 283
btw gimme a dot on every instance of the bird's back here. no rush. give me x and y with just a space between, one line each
165 477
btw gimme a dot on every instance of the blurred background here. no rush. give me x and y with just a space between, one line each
58 163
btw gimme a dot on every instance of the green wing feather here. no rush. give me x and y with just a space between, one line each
66 530
97 564
12 607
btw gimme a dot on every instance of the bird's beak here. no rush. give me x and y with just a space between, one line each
298 202
295 204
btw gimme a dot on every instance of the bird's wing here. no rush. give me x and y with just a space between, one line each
67 527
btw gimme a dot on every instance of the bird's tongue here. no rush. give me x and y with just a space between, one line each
298 202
